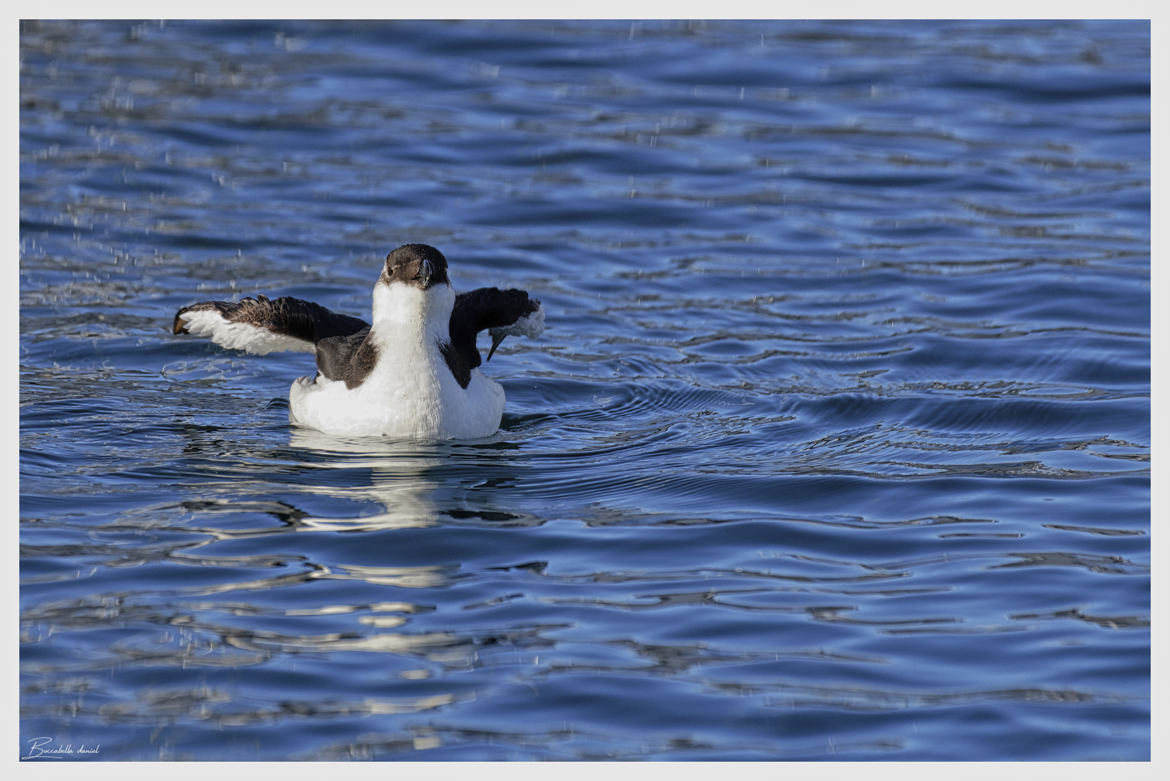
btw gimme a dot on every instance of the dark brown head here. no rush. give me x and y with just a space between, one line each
419 265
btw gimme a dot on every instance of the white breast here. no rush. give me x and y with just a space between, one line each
411 393
400 409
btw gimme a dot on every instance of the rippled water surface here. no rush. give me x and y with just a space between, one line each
836 445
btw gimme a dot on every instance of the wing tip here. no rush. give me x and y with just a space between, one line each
530 325
180 325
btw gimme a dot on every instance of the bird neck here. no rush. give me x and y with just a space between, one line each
412 313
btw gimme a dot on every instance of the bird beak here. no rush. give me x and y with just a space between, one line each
425 270
496 339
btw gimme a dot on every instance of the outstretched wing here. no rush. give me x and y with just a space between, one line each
260 325
501 312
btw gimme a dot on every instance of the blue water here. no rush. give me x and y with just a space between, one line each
836 445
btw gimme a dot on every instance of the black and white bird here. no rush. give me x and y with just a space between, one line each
413 374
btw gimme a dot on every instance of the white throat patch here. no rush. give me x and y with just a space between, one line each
411 310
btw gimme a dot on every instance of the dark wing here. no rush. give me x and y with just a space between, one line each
503 312
347 357
260 325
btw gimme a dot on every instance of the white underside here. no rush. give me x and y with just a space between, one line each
400 404
411 393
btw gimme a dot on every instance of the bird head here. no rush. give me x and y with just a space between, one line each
414 287
419 265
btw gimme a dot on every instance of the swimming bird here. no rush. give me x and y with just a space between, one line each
412 374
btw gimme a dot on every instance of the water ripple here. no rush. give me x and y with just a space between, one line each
836 445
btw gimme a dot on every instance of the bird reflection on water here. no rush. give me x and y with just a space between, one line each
400 479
